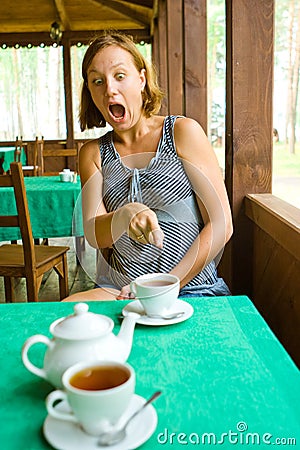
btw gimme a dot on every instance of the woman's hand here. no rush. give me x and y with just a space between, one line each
140 223
125 293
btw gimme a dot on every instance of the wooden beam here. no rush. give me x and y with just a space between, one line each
63 16
175 56
195 60
145 3
68 92
36 39
154 20
160 53
138 17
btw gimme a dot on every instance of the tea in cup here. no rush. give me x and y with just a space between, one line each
98 394
157 292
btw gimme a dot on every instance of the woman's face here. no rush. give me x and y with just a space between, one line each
116 87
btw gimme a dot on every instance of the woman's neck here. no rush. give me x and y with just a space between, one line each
143 137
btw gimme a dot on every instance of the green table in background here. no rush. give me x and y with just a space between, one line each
226 380
54 207
7 156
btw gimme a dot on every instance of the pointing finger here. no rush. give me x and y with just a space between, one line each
156 237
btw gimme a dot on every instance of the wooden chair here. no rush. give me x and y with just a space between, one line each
28 260
44 153
28 170
57 153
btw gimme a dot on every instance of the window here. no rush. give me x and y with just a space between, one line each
32 93
286 103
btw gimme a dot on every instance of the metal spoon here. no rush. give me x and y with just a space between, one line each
158 316
114 436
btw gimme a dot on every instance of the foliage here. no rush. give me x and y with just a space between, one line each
286 173
38 71
286 73
285 163
31 91
216 64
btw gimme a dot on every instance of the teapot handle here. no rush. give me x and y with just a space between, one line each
37 338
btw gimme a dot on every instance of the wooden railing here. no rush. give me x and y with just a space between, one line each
276 266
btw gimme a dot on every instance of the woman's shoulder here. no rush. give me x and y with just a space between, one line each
188 135
185 127
90 150
187 123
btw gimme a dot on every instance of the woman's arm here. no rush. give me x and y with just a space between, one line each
101 228
203 171
92 204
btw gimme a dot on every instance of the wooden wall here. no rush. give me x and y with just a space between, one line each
180 55
276 266
249 110
180 52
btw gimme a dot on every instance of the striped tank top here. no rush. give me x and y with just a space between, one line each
164 187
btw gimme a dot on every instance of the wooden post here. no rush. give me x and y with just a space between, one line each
68 92
180 47
160 53
249 91
175 56
195 61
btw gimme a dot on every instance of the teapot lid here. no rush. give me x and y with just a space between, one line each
82 324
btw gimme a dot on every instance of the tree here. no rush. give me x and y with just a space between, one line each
294 52
288 58
216 63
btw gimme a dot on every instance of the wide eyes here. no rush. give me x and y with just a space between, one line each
120 76
100 81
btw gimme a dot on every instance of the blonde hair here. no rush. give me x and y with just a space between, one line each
89 115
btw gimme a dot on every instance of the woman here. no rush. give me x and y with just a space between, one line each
152 190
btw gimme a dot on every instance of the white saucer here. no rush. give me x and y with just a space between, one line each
180 305
64 435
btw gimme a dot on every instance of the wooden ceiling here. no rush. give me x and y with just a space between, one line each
74 16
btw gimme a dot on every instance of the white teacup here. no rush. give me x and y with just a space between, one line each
157 292
66 175
98 394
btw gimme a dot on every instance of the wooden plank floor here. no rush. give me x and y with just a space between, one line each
81 277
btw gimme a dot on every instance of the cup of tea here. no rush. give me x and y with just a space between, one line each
98 393
66 175
157 292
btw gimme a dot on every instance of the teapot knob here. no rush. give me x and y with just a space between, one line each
81 308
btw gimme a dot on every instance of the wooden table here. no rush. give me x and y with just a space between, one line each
52 207
225 378
7 156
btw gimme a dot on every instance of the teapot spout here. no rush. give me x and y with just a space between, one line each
126 331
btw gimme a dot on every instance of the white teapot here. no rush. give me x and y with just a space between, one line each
81 336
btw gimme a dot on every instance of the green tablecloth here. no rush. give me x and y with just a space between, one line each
8 156
221 372
54 206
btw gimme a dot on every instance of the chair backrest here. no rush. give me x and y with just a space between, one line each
18 149
57 152
22 218
38 150
31 156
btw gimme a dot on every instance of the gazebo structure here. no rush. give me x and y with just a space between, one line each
262 259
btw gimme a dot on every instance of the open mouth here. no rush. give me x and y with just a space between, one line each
117 111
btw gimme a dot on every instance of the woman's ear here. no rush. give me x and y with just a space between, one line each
143 79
